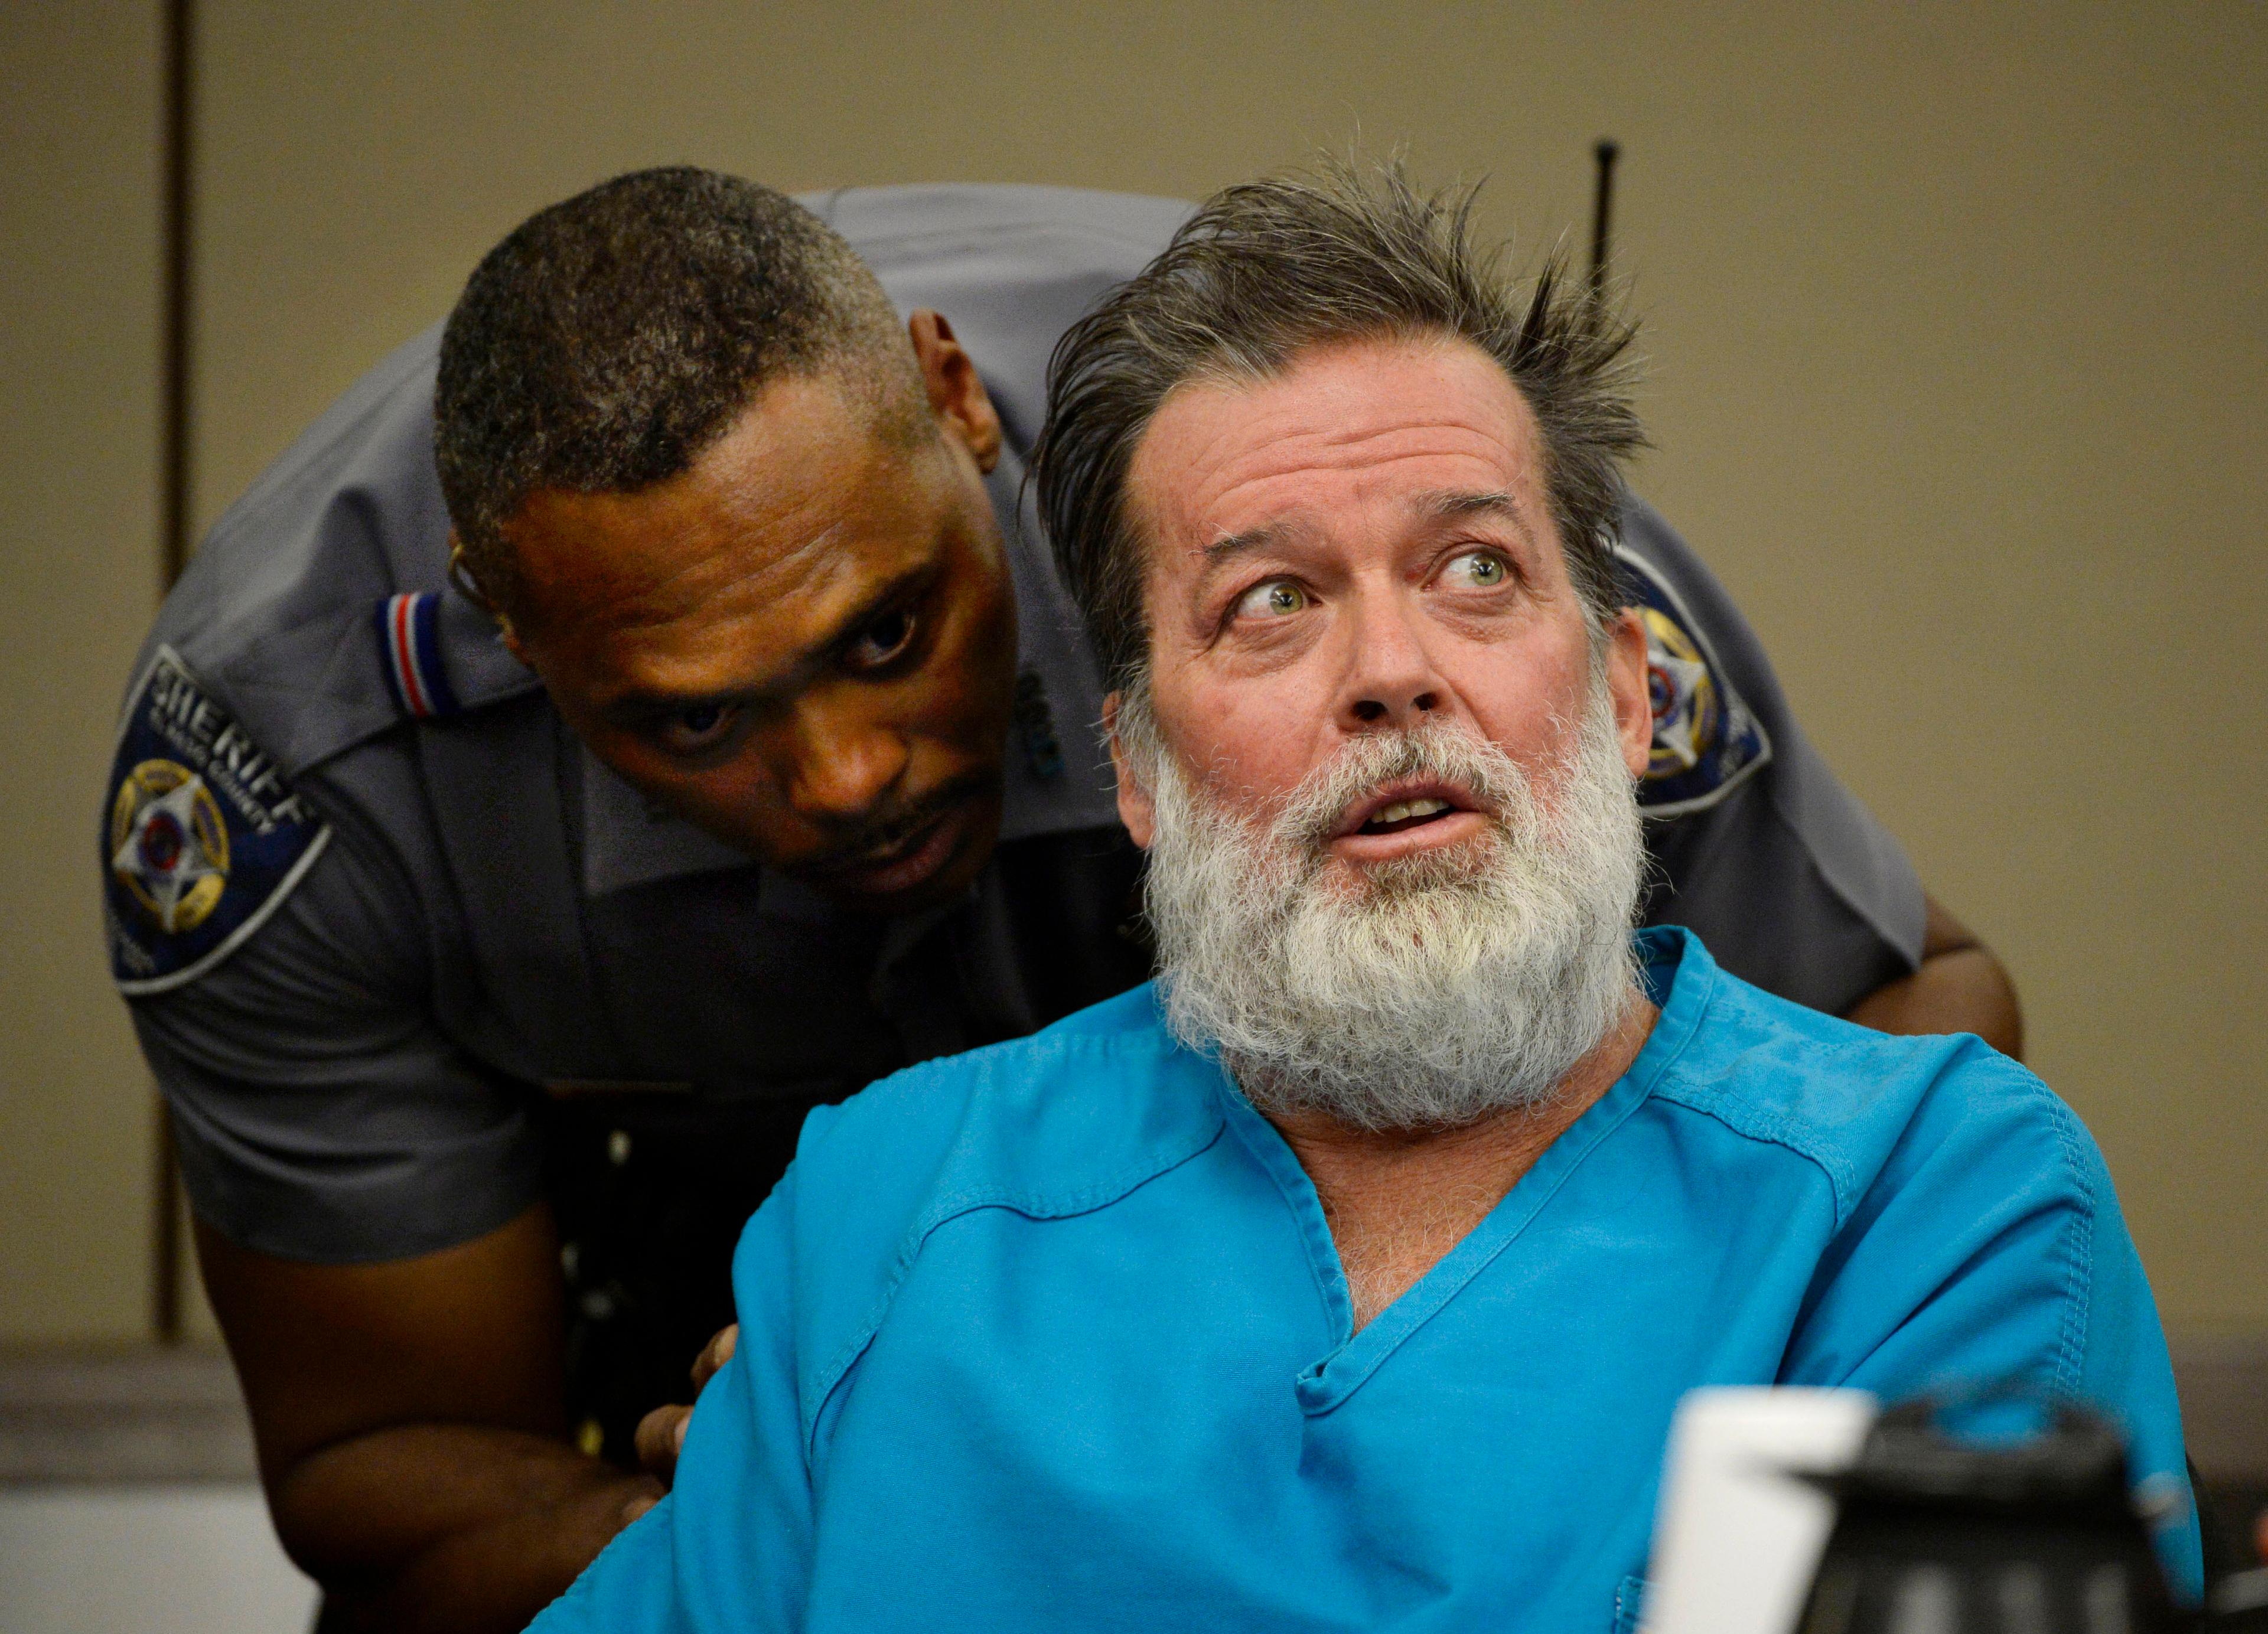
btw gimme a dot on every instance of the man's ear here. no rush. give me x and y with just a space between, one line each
956 393
1135 808
1626 678
461 575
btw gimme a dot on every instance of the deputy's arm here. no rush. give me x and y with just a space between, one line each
1788 878
411 1431
1959 987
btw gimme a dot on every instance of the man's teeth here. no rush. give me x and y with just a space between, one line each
1402 810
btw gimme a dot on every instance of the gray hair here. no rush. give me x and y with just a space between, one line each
1265 270
1426 991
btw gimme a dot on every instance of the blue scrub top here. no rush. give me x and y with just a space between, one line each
1052 1336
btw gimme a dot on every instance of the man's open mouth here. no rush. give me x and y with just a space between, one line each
1405 805
1402 815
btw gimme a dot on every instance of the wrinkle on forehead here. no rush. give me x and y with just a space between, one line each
708 583
802 444
1222 456
782 526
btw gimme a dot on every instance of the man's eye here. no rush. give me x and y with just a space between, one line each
1477 570
882 640
1279 598
702 726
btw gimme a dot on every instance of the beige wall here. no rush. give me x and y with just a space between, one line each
1956 323
78 581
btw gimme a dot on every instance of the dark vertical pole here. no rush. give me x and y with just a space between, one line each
1602 216
173 557
174 387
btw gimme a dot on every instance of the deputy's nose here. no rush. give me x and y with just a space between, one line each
841 773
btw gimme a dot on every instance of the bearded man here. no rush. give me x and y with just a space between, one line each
1348 1277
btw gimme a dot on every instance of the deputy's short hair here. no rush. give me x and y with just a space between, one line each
1265 270
611 338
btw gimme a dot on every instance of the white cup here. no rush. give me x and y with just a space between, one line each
1738 1537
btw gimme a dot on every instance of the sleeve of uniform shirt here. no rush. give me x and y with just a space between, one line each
1786 877
731 1547
322 1114
1991 1246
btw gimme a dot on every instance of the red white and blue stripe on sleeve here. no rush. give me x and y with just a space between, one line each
410 636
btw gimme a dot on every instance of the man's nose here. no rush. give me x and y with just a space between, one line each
1390 678
843 772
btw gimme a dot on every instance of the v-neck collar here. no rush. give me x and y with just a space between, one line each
1679 977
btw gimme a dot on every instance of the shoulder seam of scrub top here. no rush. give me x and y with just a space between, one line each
831 1378
1803 1138
1701 1087
1044 1051
1753 1123
2071 1362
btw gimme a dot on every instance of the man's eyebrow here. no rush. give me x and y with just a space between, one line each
1450 507
1234 545
1436 507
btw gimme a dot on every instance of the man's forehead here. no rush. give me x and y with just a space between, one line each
1415 423
1416 505
781 530
803 445
738 605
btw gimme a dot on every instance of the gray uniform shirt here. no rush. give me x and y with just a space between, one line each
369 898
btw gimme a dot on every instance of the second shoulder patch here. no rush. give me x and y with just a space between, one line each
1706 740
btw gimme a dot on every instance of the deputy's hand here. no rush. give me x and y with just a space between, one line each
661 1432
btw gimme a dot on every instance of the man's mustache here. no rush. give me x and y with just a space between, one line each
1318 808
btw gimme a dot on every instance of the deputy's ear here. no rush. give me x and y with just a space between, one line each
461 576
1627 679
1135 809
956 392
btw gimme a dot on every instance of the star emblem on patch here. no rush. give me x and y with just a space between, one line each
1707 741
169 845
202 836
1684 698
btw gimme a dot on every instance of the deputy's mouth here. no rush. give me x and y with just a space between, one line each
911 862
910 857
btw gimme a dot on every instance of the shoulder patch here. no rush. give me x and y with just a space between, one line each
1706 740
202 838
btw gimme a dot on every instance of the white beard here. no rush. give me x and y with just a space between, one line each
1426 992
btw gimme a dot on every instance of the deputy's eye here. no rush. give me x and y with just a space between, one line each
1279 598
700 726
882 640
1477 570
